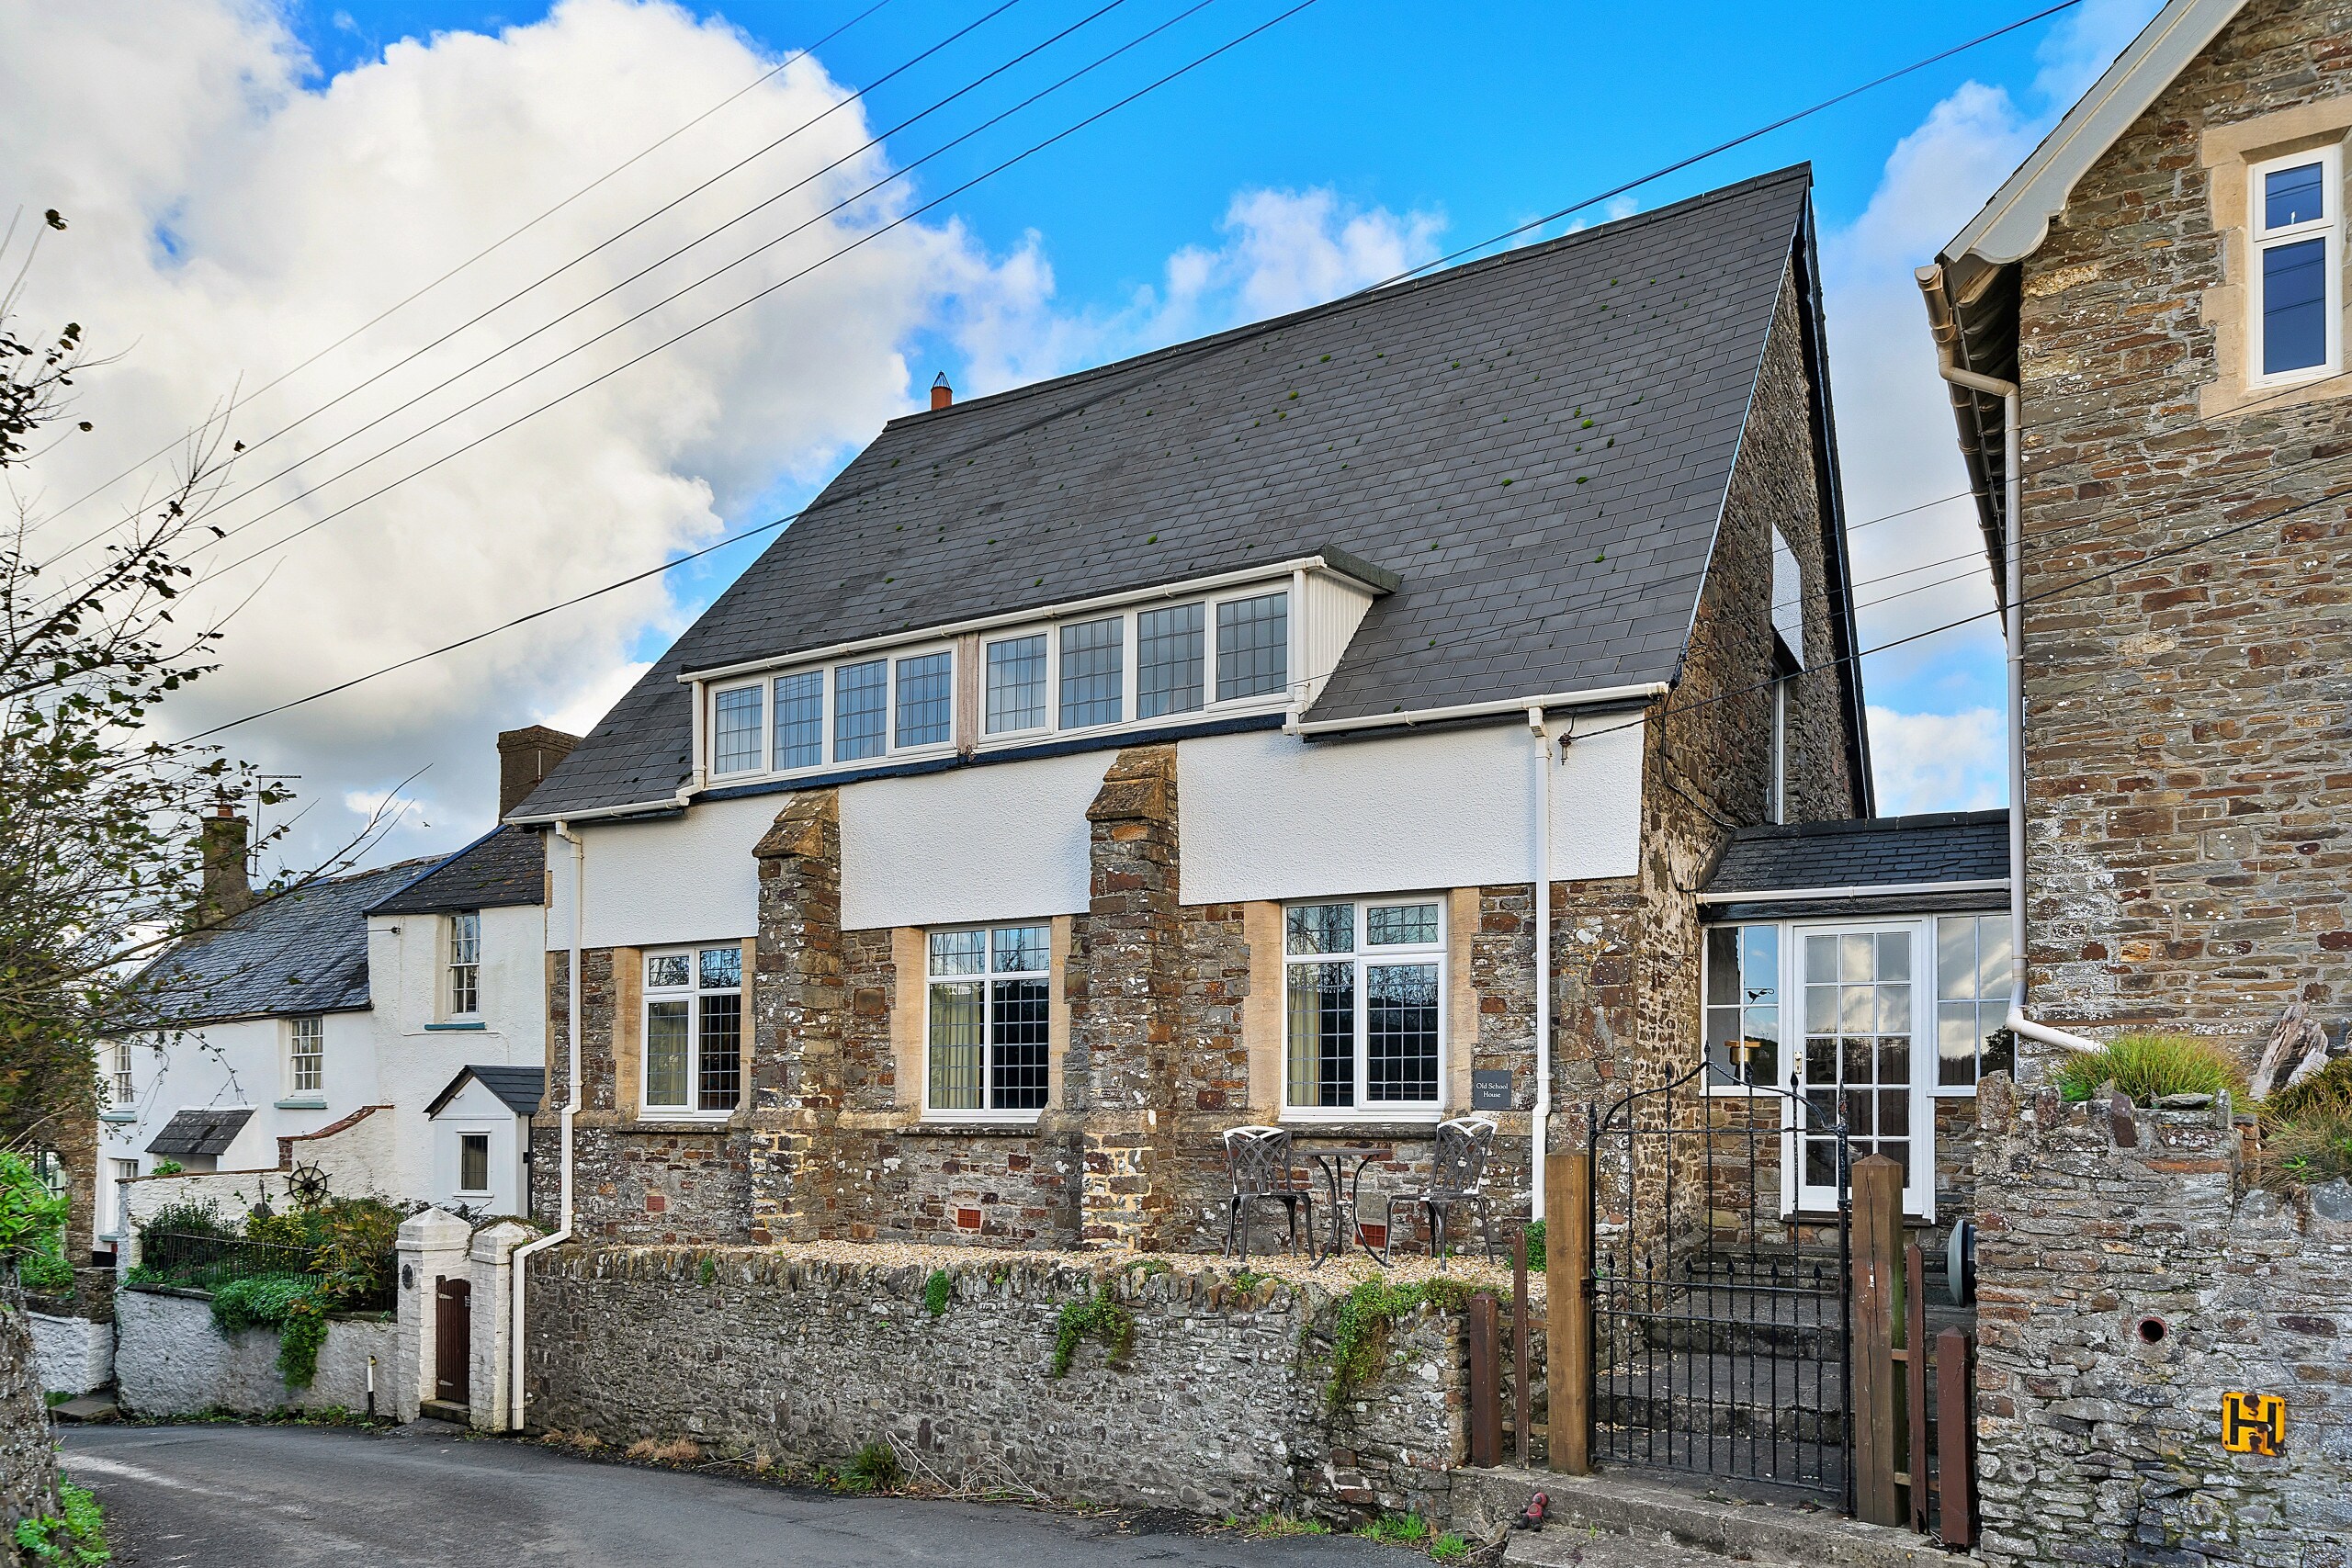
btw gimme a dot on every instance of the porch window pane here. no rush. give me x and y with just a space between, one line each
1992 957
1893 955
1956 956
1400 1032
955 1036
668 1026
1322 1033
1894 1111
1856 958
861 693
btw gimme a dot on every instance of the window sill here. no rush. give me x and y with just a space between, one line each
299 1104
119 1117
678 1121
954 1129
440 1028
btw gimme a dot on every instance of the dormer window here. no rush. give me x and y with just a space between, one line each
1253 646
2297 291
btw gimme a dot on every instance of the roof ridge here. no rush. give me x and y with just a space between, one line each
1915 821
1245 330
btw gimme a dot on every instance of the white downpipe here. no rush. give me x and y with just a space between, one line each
521 1256
1946 330
1542 953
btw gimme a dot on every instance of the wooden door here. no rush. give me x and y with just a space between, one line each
452 1340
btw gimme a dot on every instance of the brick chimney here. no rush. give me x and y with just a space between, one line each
525 757
942 394
224 841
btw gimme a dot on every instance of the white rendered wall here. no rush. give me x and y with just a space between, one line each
658 883
243 1063
1266 816
474 1110
170 1359
999 841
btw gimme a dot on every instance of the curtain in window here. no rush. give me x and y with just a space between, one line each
1322 1033
667 1024
955 1036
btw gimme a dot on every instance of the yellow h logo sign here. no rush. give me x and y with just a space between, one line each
2254 1422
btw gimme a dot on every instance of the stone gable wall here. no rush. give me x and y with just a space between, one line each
2189 773
2098 1446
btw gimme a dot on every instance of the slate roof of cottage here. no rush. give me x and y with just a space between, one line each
504 866
1948 846
200 1133
302 952
520 1088
1537 445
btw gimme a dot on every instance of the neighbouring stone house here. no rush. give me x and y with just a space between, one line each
326 1026
1206 740
2157 297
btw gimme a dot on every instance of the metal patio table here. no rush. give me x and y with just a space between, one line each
1334 1162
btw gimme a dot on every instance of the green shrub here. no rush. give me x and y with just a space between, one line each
291 1304
2146 1068
78 1536
935 1292
32 1226
1097 1318
874 1468
2327 1094
1360 1336
2312 1148
1535 1247
167 1168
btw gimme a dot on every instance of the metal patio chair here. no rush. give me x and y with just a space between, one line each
1457 1175
1258 1158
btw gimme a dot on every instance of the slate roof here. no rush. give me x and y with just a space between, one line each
504 866
521 1088
1537 444
200 1133
1950 846
305 952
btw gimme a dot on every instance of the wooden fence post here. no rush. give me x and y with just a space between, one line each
1956 1437
1911 1345
1568 1315
1486 1383
1875 1399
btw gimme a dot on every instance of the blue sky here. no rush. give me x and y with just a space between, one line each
1346 137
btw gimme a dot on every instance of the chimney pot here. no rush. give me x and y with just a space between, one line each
942 394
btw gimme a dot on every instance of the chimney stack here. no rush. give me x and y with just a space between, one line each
942 394
224 841
525 757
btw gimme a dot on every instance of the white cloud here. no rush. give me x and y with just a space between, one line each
1937 762
230 214
1894 421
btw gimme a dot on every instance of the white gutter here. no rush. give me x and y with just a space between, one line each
521 1256
1543 953
1643 692
1858 890
1946 335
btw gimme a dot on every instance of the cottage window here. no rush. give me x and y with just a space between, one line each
306 1056
987 1019
736 724
1253 646
1364 1022
464 964
1742 985
1972 999
2297 291
121 1090
861 693
1016 685
1092 666
926 699
473 1163
1168 661
694 1031
800 719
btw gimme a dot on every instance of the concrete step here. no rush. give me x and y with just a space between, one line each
442 1410
87 1408
1614 1517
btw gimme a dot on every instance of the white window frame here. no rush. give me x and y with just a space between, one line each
1919 1178
123 1081
1212 705
985 1113
1711 1082
692 993
295 1056
489 1178
118 1200
2329 226
1436 953
1996 1001
452 967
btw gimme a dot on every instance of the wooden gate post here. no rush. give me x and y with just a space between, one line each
1568 1309
1956 1426
1486 1382
1874 1403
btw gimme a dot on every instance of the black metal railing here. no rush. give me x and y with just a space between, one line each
1722 1331
201 1262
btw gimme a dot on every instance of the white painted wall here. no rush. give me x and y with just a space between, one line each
243 1063
659 883
475 1110
1271 817
982 843
72 1355
170 1359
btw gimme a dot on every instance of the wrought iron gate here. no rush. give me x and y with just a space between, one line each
1722 1330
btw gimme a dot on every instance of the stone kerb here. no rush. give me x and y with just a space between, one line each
2124 1289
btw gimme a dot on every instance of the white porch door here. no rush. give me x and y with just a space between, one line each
1860 989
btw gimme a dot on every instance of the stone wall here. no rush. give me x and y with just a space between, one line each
1217 1407
2122 1292
170 1359
28 1455
2189 774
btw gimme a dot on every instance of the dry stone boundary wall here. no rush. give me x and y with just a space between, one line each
802 1361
